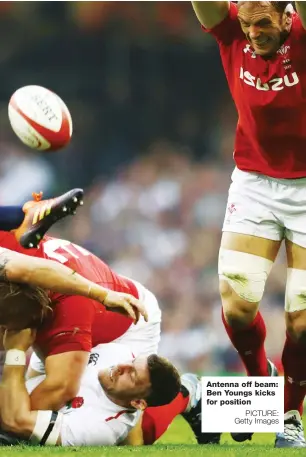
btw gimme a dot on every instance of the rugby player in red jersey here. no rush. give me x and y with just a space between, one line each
262 47
27 225
142 339
76 324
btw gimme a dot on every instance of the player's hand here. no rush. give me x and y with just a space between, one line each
125 304
19 339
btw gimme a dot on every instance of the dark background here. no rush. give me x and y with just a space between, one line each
152 146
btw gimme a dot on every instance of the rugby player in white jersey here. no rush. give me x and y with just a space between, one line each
115 388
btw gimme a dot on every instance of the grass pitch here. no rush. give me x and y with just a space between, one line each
177 442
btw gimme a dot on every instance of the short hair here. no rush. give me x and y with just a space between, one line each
165 381
23 305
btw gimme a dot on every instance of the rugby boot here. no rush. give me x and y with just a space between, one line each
191 385
40 215
240 437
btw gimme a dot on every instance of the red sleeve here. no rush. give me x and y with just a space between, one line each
297 28
229 29
70 327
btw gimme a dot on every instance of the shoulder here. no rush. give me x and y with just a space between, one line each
86 427
297 32
110 354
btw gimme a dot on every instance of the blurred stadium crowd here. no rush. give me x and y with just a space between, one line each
152 146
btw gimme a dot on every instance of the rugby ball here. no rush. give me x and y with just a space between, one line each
40 118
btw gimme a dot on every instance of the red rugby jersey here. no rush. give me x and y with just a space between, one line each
77 323
270 97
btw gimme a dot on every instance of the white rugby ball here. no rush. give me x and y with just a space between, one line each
40 118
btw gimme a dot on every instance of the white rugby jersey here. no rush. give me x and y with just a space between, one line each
99 421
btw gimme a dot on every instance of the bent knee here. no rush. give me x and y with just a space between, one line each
296 326
245 273
242 282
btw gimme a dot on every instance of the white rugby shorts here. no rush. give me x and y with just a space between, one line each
267 207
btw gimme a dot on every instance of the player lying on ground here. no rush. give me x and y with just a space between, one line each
262 46
32 226
77 324
114 389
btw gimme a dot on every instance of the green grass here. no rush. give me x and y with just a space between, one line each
177 442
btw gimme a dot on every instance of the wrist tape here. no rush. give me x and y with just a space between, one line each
15 357
47 428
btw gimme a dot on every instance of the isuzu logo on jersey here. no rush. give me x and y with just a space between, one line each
274 84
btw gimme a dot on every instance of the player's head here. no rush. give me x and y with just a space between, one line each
142 382
265 24
22 306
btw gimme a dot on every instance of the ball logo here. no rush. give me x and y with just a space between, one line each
275 84
42 107
46 108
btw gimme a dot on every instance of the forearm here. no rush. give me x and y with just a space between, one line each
50 275
51 396
16 414
211 13
301 9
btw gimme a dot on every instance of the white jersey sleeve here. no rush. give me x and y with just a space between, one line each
87 428
36 363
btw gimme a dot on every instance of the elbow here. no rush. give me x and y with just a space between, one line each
56 397
17 424
68 392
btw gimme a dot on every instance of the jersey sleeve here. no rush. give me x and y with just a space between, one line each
70 327
87 428
229 29
37 364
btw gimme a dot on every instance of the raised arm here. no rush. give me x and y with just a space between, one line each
50 275
211 14
301 9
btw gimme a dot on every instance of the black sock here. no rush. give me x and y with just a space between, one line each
11 217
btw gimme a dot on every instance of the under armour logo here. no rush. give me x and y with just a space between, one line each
299 383
93 358
248 49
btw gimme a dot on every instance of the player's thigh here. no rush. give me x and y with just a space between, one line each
295 300
251 210
262 247
295 221
252 234
245 263
294 215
